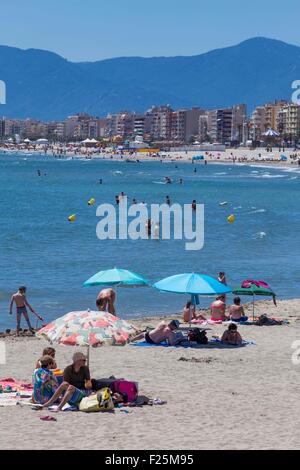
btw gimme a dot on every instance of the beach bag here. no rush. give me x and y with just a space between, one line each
198 336
130 389
102 401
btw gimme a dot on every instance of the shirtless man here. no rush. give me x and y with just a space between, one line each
21 302
236 311
163 332
105 301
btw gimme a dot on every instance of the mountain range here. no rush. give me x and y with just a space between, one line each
43 85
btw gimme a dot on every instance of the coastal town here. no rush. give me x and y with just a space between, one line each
276 123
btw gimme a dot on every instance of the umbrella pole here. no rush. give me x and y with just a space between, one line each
88 356
253 309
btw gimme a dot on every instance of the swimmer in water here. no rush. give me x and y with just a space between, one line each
117 199
194 205
180 181
149 227
39 173
195 170
100 181
168 200
134 201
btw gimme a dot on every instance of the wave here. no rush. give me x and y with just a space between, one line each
268 175
260 235
257 211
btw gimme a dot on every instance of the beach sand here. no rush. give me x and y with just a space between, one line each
239 398
243 155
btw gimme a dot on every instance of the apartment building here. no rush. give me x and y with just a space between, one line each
288 121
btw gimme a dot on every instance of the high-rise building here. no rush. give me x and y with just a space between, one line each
160 119
288 121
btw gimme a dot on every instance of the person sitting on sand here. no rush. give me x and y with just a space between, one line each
232 336
236 311
163 332
21 303
78 374
218 308
47 352
44 382
105 301
64 394
189 313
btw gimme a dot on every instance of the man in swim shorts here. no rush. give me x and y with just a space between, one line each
21 302
163 332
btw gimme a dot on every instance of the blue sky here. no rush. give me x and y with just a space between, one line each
98 29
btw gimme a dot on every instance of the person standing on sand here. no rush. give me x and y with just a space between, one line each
105 301
21 302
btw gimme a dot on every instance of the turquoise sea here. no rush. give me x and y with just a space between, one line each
52 257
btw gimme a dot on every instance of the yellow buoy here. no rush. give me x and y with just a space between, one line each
231 219
72 218
91 202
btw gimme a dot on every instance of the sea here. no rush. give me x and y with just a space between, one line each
41 249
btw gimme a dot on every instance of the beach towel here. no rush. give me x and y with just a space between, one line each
212 342
15 384
244 343
162 345
13 399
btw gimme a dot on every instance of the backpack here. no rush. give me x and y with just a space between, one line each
198 336
126 387
102 401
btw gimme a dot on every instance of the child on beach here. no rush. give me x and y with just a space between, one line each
47 352
19 298
232 336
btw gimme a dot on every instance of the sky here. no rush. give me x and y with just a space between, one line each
89 30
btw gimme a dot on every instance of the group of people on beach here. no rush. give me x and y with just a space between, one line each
52 386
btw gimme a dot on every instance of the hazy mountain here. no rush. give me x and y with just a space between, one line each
43 85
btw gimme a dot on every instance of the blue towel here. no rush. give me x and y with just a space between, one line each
245 343
186 346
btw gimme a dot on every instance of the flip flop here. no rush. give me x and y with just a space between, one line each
48 418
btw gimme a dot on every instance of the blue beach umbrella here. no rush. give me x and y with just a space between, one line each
193 284
116 277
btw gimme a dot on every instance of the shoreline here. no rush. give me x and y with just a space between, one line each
239 157
142 322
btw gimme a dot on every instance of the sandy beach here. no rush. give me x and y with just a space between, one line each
217 398
242 155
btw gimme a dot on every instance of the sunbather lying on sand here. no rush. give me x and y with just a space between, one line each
163 332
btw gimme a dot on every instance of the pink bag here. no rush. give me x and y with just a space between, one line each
130 388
